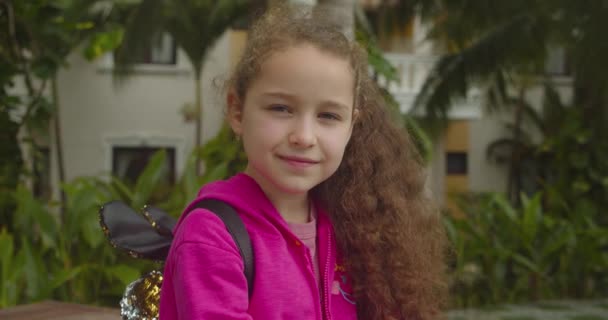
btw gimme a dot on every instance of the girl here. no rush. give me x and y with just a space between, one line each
332 196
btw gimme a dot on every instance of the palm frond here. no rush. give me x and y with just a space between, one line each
506 47
144 23
496 93
531 115
421 139
376 59
553 109
518 131
504 150
197 26
501 150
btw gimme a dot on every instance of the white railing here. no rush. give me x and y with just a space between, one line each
412 71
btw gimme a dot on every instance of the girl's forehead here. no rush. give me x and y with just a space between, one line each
308 73
303 50
309 63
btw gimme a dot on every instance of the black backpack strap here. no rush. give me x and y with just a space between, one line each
237 230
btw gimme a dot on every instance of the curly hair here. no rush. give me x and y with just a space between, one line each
391 237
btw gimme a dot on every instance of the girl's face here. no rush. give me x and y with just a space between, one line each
296 118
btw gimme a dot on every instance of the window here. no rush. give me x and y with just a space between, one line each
42 173
128 163
456 163
162 51
557 63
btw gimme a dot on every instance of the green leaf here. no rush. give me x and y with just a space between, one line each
190 180
505 207
6 253
33 271
65 275
450 229
120 190
216 173
526 263
104 42
124 273
149 179
32 212
83 200
421 138
532 214
9 272
82 197
557 242
86 25
90 229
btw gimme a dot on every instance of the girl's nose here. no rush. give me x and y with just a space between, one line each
303 134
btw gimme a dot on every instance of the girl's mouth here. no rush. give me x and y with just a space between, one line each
299 162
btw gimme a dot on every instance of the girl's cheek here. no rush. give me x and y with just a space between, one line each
338 140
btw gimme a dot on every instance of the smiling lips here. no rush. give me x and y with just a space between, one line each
298 162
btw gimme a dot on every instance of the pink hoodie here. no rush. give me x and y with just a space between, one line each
204 279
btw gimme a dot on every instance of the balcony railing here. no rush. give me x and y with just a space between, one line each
412 71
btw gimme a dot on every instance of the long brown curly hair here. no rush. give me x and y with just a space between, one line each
390 235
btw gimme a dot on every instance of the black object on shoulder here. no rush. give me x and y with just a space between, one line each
237 230
149 235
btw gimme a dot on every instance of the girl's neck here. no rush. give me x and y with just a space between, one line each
293 207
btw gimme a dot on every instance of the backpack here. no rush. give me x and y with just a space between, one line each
149 235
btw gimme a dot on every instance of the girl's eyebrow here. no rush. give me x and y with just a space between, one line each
325 103
278 94
335 104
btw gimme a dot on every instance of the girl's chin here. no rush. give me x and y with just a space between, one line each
294 188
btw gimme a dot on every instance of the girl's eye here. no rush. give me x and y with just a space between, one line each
278 108
329 116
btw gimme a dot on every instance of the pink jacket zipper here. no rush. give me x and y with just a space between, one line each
326 280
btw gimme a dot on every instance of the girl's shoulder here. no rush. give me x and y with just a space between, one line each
202 227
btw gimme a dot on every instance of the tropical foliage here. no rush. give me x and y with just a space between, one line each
556 151
41 34
70 260
507 254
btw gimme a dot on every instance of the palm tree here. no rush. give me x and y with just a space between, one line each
525 158
496 45
491 44
42 34
195 26
393 16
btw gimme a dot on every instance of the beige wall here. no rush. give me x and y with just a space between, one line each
483 175
144 110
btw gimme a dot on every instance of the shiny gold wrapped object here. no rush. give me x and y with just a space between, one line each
142 298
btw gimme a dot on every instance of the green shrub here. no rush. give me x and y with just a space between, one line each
505 254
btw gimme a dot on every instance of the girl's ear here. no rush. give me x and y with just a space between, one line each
235 112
